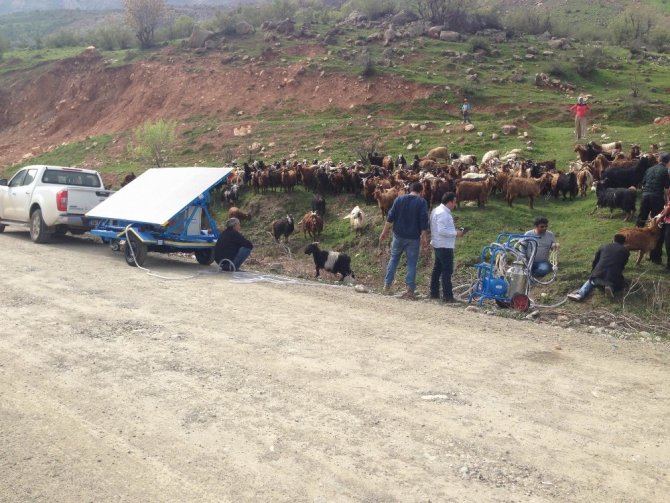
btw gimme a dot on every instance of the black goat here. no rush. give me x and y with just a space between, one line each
335 262
283 227
375 159
621 198
401 161
566 183
627 177
319 204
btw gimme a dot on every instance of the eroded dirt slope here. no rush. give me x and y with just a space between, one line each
87 96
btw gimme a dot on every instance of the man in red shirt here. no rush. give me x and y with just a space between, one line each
581 109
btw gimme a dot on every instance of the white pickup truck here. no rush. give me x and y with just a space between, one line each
50 200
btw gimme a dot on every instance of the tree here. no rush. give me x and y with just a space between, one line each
632 26
153 141
144 16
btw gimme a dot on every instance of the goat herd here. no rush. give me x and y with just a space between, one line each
614 175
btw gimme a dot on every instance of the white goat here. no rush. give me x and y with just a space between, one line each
357 220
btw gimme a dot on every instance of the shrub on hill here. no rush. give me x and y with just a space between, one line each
4 46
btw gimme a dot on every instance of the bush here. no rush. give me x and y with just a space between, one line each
590 60
153 142
479 44
557 69
110 38
63 39
659 39
367 65
632 26
527 21
374 9
182 27
4 46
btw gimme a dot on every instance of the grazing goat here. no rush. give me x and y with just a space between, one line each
375 159
438 153
357 220
642 239
231 195
609 148
283 227
584 180
564 183
319 204
466 159
526 187
312 224
621 198
127 179
235 212
385 199
467 190
335 262
401 161
491 154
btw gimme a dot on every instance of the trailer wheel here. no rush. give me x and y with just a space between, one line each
205 257
2 228
520 302
39 232
134 245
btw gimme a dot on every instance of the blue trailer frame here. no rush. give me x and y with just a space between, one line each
175 235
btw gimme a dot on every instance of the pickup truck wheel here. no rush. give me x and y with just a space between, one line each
138 248
39 232
205 257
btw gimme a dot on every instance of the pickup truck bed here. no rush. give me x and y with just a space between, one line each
50 200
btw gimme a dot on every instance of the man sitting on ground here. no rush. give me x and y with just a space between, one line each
232 248
607 269
545 243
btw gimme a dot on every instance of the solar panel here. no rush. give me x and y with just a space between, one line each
158 194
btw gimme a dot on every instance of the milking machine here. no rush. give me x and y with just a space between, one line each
504 271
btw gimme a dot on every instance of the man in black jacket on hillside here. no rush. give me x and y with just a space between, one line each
656 179
232 248
606 269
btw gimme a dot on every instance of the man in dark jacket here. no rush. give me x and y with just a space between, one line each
656 179
607 269
408 217
232 248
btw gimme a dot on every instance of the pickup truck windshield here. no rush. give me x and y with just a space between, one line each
75 178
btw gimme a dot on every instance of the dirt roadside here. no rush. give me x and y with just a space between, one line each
116 385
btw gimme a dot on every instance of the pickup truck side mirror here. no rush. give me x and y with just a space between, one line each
3 181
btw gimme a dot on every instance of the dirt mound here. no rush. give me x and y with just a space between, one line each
88 96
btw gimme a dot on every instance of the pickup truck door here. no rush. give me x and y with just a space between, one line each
20 191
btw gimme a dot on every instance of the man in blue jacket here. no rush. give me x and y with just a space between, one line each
408 217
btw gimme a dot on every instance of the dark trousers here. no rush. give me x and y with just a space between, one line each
651 205
443 268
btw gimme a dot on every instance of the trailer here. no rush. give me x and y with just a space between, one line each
164 210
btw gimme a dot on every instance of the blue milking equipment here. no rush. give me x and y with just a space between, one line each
504 271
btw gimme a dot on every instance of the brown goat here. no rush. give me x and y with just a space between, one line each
385 199
642 239
312 224
473 191
526 187
438 153
235 212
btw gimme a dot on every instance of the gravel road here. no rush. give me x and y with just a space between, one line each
116 385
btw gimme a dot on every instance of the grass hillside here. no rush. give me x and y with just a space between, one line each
627 89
